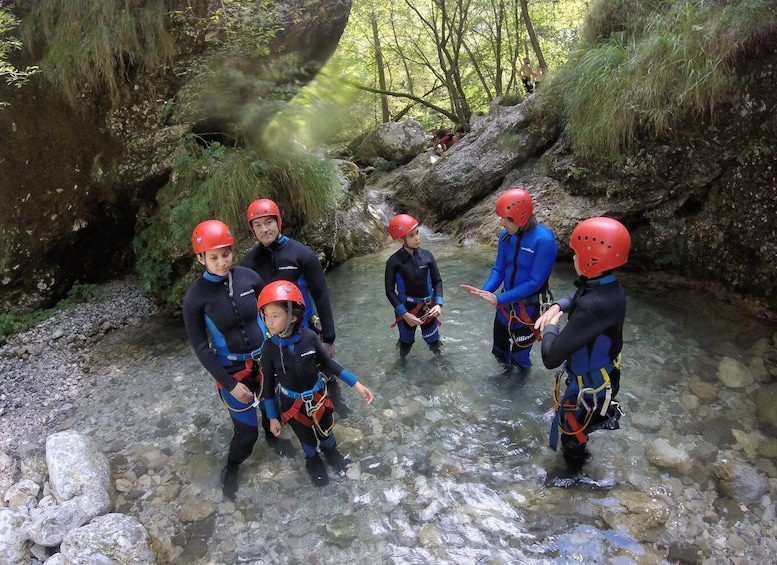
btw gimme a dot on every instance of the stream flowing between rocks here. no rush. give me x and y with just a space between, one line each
450 464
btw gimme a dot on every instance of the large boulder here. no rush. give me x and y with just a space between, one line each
392 141
73 176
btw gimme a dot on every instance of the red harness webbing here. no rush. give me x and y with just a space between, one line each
524 318
296 411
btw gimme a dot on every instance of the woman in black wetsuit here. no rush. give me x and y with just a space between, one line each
222 323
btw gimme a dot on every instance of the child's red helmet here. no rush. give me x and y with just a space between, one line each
211 234
515 204
401 225
280 291
601 244
261 208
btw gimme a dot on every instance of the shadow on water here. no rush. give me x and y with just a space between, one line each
450 464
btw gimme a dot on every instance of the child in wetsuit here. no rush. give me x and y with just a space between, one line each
589 346
293 359
413 287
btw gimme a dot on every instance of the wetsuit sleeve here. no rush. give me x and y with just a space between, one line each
436 277
325 362
314 275
544 259
558 346
268 388
391 283
194 320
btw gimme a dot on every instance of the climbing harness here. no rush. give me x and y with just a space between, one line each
422 306
253 374
583 397
308 406
522 319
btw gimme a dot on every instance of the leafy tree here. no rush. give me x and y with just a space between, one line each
8 43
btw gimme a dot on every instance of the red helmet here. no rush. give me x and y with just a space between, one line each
280 291
211 234
601 244
402 225
261 208
515 204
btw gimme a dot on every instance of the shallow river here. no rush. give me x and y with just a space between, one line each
450 463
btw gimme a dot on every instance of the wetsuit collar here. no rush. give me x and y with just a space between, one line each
597 281
214 278
285 341
280 242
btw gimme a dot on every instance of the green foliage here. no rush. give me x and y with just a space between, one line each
98 43
416 60
8 43
647 68
214 181
16 321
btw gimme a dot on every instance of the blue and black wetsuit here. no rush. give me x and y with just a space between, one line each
589 345
524 261
413 280
226 334
288 259
291 367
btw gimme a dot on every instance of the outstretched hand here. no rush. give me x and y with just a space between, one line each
365 393
489 297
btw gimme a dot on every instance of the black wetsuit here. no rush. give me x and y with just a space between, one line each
412 279
590 342
288 259
295 363
222 323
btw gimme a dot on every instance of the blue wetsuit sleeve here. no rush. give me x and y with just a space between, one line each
348 377
270 408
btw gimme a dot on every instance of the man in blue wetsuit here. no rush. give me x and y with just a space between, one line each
525 256
413 287
589 346
222 321
278 257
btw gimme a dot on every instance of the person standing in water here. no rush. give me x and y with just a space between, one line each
413 287
222 323
525 256
589 346
295 392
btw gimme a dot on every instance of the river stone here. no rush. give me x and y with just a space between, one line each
705 391
662 454
13 541
766 407
194 509
734 374
642 516
738 480
343 529
112 538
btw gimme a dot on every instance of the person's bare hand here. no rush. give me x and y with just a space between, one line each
411 319
242 393
552 316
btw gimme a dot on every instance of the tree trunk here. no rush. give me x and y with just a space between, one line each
532 35
384 109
